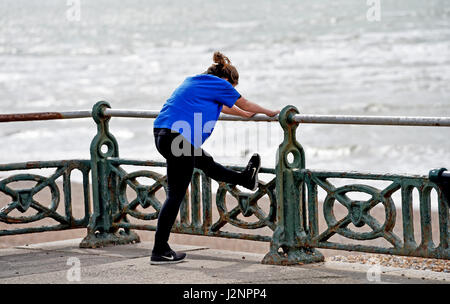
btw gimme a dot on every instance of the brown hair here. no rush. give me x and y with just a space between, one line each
223 68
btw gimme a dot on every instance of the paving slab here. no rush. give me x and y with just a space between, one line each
129 251
53 262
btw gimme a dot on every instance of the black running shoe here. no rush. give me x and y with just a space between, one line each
169 257
250 173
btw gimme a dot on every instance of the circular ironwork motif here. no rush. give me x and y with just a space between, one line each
145 195
23 198
247 205
358 212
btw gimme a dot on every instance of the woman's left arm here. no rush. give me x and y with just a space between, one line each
236 111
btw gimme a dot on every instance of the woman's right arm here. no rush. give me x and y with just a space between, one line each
236 111
249 106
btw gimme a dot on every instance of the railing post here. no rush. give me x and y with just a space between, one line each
291 231
442 179
104 185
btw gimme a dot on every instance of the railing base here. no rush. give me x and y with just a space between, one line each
98 240
297 256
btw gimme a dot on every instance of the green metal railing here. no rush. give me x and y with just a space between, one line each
292 194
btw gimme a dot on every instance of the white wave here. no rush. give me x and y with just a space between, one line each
235 25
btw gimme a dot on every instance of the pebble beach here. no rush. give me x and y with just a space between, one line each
395 261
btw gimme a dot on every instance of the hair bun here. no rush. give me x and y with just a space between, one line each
220 59
223 68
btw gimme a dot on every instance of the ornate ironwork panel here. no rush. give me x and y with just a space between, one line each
358 213
196 211
23 199
293 214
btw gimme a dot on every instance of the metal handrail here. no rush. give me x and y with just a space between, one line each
15 117
293 216
305 118
299 118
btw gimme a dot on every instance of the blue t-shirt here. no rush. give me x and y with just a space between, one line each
195 106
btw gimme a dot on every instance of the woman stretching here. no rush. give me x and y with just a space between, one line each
183 124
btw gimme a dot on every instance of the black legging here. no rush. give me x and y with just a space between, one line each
179 174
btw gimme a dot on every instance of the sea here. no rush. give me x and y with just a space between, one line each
346 57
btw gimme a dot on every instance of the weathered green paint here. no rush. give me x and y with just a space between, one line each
358 214
101 231
291 233
23 199
293 216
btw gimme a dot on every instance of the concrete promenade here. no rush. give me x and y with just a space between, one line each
64 262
